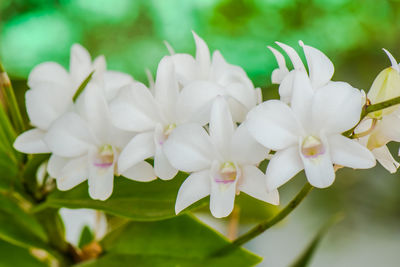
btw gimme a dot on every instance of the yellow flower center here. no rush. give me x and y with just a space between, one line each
227 173
312 147
105 156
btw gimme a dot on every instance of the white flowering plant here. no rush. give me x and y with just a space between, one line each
146 158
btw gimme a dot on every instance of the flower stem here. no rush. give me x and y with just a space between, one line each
10 101
368 108
260 228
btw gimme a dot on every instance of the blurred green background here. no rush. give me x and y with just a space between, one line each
131 33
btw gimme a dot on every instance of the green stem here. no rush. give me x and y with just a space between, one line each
10 101
262 227
372 108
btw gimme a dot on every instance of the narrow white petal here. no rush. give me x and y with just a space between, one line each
302 96
245 149
392 60
286 87
319 170
319 65
49 72
31 142
350 153
69 136
385 158
273 124
101 179
142 172
134 109
284 165
138 149
222 198
162 167
202 54
294 57
74 172
80 64
194 188
336 107
278 74
254 184
96 113
166 88
221 126
189 148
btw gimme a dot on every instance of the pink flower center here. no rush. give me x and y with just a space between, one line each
227 173
312 147
105 157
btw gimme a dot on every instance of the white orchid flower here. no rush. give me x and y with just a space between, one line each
383 126
307 135
52 89
154 118
86 145
320 69
222 163
203 79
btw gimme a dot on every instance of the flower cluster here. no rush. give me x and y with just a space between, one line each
203 116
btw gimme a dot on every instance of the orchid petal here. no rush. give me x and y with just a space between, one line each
142 172
294 57
221 126
279 73
284 165
302 96
31 142
49 72
273 124
69 136
101 179
194 188
114 81
134 109
392 60
202 55
222 196
74 172
245 149
185 67
166 88
349 153
138 149
195 101
385 158
80 65
319 170
162 167
189 148
319 65
336 107
253 184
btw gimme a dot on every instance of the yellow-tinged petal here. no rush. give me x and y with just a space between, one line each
385 86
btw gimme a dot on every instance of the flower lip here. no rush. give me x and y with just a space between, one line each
312 147
227 173
105 157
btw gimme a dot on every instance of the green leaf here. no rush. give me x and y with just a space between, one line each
135 200
82 86
304 259
12 255
180 241
19 227
87 236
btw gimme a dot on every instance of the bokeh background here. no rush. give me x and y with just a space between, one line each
130 33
